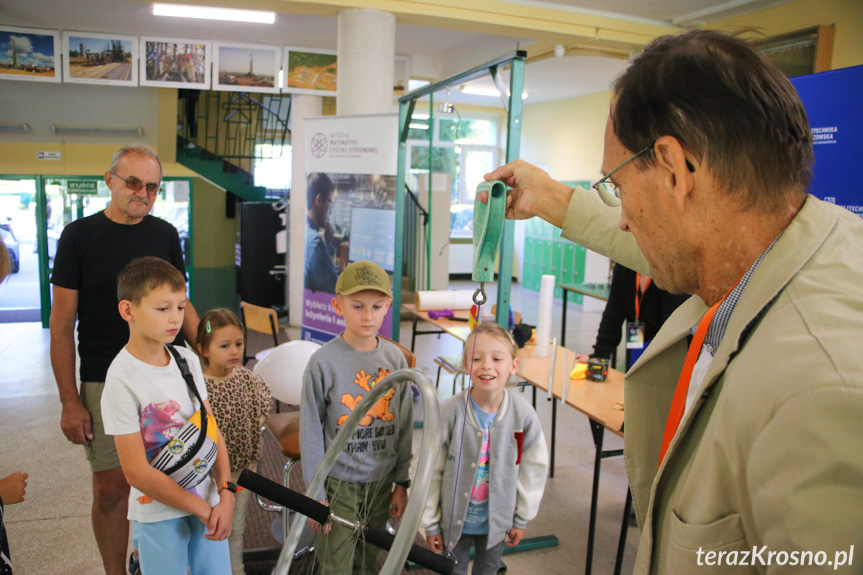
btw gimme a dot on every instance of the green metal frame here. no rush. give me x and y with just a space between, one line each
407 103
42 233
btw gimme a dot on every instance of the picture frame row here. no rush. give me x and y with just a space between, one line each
37 55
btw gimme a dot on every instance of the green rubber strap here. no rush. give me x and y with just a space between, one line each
488 220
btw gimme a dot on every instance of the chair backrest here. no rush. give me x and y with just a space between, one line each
516 314
260 319
409 355
283 369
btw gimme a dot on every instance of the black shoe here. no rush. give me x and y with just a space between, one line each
134 564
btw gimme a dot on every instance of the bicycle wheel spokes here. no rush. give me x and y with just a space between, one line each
360 501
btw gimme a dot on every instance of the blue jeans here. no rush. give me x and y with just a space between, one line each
169 547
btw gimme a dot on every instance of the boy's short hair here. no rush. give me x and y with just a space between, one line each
361 276
143 275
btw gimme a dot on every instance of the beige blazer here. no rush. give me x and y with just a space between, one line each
770 456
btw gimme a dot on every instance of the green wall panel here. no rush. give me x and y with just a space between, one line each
215 287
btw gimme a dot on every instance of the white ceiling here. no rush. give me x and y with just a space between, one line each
435 52
657 11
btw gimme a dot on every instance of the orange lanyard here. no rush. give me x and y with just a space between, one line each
639 295
678 403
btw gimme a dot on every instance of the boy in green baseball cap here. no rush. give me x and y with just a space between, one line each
371 476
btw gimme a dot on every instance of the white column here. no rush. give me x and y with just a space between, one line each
302 107
367 41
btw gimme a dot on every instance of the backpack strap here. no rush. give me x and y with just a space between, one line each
190 381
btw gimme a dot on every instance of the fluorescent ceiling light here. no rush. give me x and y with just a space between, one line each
415 126
209 13
97 130
492 92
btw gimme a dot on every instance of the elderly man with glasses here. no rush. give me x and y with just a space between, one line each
743 440
90 254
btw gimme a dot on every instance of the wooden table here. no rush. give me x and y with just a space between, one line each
457 329
597 291
602 403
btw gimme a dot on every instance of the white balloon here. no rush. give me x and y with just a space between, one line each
283 369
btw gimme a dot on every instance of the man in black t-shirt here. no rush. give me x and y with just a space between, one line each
90 254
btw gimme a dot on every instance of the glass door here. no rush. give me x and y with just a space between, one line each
33 212
19 293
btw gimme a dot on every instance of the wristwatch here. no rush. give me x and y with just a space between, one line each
230 486
405 484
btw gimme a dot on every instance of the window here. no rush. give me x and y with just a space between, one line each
273 166
464 147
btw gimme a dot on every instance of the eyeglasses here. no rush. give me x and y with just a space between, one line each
135 185
608 191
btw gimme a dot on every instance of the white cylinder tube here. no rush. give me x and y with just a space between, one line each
543 325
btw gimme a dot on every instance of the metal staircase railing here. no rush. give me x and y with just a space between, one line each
415 261
227 132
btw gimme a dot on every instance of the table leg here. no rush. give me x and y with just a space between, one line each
414 333
624 529
563 321
553 436
598 432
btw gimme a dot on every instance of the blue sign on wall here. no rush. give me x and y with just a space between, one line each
833 104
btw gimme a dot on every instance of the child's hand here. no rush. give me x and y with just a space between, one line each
435 543
317 527
219 524
13 487
515 536
203 510
399 500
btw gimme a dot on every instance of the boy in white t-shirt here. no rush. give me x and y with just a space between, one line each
145 403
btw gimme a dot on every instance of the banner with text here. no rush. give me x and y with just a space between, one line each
832 101
351 198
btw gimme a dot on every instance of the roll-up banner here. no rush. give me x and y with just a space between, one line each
351 200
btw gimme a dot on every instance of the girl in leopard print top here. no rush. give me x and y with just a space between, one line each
241 402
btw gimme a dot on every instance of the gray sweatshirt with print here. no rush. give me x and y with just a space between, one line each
336 379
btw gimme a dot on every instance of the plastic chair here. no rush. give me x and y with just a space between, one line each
409 355
516 314
260 320
283 369
451 365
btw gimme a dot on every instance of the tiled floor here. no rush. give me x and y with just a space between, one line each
50 532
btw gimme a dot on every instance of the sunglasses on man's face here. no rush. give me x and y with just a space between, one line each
135 185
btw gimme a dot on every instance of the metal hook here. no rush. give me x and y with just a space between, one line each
480 292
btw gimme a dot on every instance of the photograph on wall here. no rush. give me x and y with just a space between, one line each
100 58
29 54
350 217
246 67
310 71
175 63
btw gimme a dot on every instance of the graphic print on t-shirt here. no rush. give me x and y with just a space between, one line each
369 437
159 424
476 520
380 410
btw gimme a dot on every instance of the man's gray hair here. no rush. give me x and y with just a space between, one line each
141 149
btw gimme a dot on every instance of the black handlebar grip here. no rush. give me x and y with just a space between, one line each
284 496
419 555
